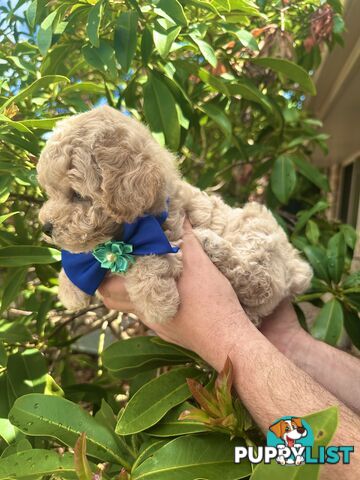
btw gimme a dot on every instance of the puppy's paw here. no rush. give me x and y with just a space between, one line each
71 296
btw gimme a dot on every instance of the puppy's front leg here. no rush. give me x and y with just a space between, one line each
71 296
151 285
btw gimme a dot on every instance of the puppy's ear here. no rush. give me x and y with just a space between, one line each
297 421
278 428
133 170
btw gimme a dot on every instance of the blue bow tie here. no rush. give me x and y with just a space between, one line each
142 237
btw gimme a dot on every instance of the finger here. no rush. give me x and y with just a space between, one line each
114 287
112 304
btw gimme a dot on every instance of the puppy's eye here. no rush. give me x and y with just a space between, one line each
76 195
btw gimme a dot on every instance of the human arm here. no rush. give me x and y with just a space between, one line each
334 369
212 323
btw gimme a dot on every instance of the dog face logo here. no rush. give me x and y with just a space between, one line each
290 435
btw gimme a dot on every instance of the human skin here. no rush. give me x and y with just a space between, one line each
212 323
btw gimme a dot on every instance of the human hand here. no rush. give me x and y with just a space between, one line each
282 328
209 311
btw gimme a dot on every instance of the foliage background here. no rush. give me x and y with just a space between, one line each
223 84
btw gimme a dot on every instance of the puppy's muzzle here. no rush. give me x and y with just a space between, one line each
301 430
47 228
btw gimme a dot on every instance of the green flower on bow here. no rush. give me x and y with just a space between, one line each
114 255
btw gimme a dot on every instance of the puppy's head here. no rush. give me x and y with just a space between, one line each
100 169
289 429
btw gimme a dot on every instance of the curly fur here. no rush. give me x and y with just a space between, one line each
102 168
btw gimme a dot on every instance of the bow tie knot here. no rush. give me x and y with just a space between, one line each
142 237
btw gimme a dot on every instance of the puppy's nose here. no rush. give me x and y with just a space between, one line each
301 429
47 228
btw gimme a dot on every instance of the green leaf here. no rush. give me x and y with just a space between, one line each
146 46
34 87
160 111
221 4
164 34
307 214
26 372
14 332
128 358
3 355
93 24
21 255
290 69
353 280
350 235
206 50
317 257
171 426
17 125
101 58
194 457
153 400
36 463
352 326
82 466
45 33
218 116
172 10
6 216
247 39
328 324
312 232
12 285
283 178
42 123
310 172
336 252
52 416
125 38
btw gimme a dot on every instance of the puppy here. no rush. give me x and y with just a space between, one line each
102 170
289 431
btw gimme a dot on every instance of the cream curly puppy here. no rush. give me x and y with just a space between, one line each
102 169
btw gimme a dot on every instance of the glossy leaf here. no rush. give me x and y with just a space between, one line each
318 260
290 69
193 457
312 232
26 373
34 87
328 324
336 252
283 178
101 58
164 34
14 332
311 172
219 117
152 401
82 466
160 111
21 255
44 415
352 326
125 38
93 24
128 358
172 10
171 426
206 50
305 216
11 287
36 463
45 33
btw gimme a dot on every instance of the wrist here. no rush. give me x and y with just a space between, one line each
225 339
